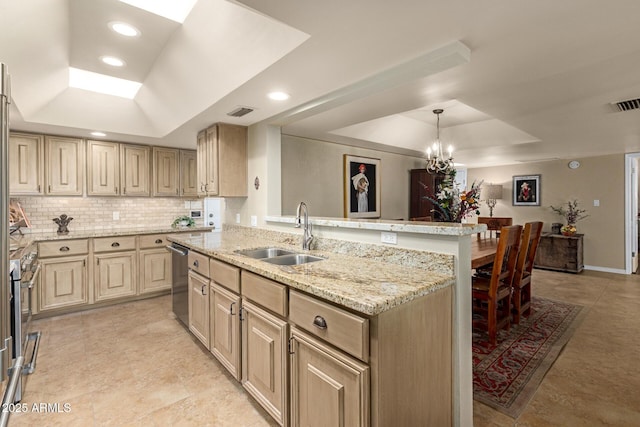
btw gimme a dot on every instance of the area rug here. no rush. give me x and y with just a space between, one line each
506 375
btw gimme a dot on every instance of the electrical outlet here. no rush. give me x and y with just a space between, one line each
254 221
237 218
389 237
596 202
116 216
187 205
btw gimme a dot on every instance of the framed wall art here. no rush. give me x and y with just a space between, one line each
526 190
361 187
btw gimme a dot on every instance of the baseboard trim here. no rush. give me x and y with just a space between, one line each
605 269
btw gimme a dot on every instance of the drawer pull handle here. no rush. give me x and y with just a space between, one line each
158 241
64 249
115 245
319 322
196 264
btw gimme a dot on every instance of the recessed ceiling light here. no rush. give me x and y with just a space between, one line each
278 96
101 83
176 10
113 61
96 133
124 29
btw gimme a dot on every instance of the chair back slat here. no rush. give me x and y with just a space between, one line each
530 240
504 264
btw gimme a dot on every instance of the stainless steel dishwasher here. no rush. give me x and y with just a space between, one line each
179 283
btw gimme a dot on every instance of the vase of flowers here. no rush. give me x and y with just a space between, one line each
572 214
452 203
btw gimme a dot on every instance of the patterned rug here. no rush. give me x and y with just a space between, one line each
506 376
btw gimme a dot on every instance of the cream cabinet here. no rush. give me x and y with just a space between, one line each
103 168
64 166
328 388
224 327
222 161
63 277
166 175
135 163
188 173
115 267
26 164
199 307
154 264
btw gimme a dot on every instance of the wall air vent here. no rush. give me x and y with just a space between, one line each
240 111
631 104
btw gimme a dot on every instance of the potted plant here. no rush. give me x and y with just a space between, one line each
572 214
183 221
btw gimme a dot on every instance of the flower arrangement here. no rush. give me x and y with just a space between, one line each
455 204
572 214
183 221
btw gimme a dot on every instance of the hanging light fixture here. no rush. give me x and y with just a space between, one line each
436 161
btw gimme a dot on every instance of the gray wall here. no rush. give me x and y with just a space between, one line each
312 171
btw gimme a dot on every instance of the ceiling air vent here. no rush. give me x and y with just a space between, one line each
240 111
631 104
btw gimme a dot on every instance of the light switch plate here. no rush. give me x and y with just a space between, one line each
237 218
596 202
116 215
389 237
254 221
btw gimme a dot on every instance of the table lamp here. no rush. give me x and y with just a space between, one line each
492 193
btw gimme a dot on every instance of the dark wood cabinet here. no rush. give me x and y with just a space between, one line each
561 253
423 184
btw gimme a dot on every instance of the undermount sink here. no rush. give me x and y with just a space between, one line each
262 253
293 259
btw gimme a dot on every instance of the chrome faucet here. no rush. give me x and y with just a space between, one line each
307 237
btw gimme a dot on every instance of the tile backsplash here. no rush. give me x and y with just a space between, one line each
98 212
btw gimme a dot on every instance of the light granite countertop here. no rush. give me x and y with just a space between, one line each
369 286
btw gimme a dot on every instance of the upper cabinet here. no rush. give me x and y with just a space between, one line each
135 162
26 168
188 173
103 168
166 177
64 170
222 161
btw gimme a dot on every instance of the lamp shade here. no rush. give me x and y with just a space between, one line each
493 192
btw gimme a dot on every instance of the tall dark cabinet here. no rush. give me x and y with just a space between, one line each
418 205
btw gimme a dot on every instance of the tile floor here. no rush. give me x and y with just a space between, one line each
134 365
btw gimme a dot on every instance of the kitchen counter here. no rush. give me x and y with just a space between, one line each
386 278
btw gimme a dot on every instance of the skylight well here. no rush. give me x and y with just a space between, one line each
176 10
100 83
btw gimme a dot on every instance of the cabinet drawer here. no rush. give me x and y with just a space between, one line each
199 263
339 327
115 243
153 241
63 248
269 294
225 275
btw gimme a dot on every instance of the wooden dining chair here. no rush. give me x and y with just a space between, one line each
521 298
494 223
491 296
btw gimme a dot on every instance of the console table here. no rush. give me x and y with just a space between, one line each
561 253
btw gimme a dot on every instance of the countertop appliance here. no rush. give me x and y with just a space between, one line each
179 283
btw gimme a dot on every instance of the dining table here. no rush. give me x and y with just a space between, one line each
483 251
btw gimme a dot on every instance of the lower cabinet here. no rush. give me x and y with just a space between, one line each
66 283
114 275
155 270
264 359
224 326
328 388
199 307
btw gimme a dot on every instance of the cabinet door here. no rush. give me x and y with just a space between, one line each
155 270
199 307
103 168
63 282
64 161
188 173
26 167
424 184
328 388
232 166
211 156
114 275
134 170
165 171
202 163
225 328
264 360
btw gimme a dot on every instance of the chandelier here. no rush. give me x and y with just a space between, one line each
438 163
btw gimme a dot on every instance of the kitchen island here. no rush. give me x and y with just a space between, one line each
367 329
